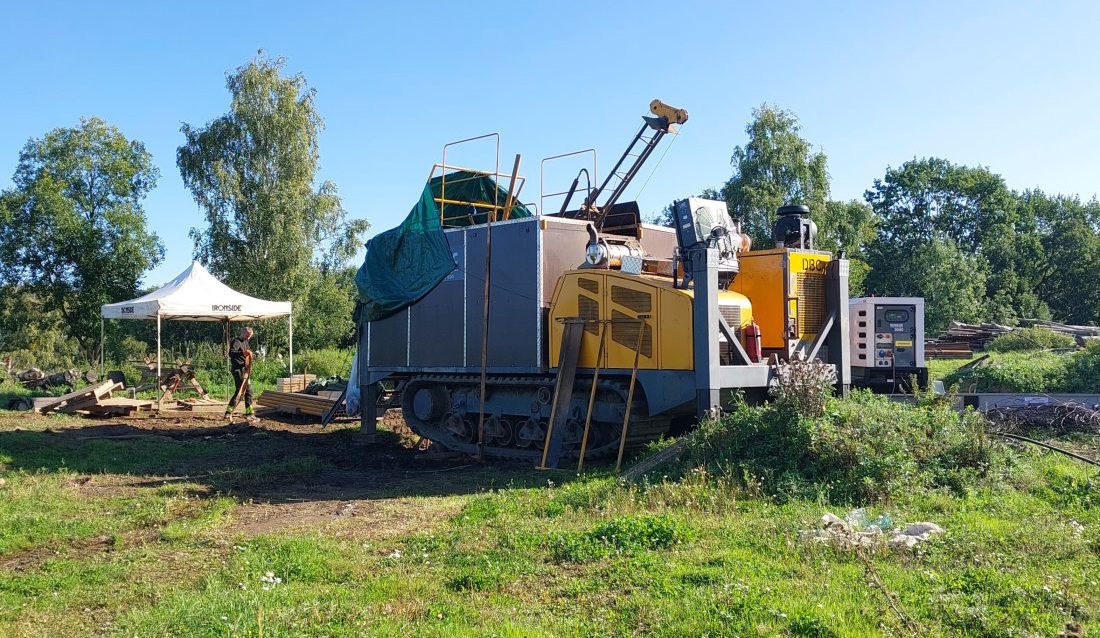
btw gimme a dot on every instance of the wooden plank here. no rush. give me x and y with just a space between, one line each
95 390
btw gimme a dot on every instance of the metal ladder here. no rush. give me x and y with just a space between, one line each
631 161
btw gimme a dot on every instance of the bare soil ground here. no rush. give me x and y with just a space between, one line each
286 474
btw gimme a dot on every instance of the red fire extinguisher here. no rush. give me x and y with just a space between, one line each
753 346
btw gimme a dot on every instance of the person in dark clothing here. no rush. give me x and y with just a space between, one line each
240 365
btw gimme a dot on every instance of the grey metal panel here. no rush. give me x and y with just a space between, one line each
658 241
754 376
987 401
389 340
839 345
513 299
704 322
455 370
666 389
563 244
436 334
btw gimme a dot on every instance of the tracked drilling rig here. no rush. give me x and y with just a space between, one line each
650 325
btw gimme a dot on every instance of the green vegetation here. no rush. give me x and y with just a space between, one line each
1031 339
273 533
864 449
1033 372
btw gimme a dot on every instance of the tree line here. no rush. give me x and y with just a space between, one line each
74 230
956 235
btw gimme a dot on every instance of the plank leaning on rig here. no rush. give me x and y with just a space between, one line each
240 366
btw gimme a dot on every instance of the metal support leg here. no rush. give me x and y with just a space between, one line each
836 298
368 424
704 321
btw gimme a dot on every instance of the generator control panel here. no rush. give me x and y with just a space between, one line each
887 332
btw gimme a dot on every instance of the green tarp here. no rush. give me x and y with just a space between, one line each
405 263
464 186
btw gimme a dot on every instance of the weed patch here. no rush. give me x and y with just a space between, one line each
864 449
624 535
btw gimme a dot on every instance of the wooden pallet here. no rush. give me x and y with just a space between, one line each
80 399
295 402
118 407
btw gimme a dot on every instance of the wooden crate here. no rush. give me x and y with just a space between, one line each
294 383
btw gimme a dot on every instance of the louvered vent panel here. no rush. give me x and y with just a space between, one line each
732 315
811 303
636 300
589 310
625 333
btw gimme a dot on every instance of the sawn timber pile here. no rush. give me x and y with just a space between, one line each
296 402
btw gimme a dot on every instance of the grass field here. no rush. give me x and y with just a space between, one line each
184 527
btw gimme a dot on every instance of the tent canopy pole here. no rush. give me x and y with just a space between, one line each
291 316
102 348
158 349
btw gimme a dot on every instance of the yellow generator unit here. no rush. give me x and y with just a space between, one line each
787 289
622 303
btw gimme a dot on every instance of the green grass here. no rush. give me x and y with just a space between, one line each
1018 371
504 550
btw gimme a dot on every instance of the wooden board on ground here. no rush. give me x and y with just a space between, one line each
83 397
118 407
200 405
295 402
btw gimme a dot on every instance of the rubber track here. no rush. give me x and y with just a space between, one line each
642 429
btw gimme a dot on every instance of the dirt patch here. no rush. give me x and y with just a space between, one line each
33 558
287 475
361 518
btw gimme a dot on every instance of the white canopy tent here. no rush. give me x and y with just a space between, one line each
195 295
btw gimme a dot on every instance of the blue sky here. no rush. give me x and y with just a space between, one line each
1010 85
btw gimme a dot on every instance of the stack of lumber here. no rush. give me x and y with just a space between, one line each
935 350
95 400
200 405
118 407
295 382
296 402
1065 328
960 340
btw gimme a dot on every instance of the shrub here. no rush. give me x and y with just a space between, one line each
1083 370
1015 372
865 448
803 386
621 535
327 362
1022 339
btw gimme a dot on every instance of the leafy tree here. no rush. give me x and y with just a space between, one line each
776 167
253 171
324 319
951 280
73 231
848 227
1068 258
932 200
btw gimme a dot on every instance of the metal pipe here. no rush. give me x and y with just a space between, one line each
485 311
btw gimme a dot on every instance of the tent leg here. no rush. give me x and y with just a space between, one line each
161 397
102 349
291 316
228 366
